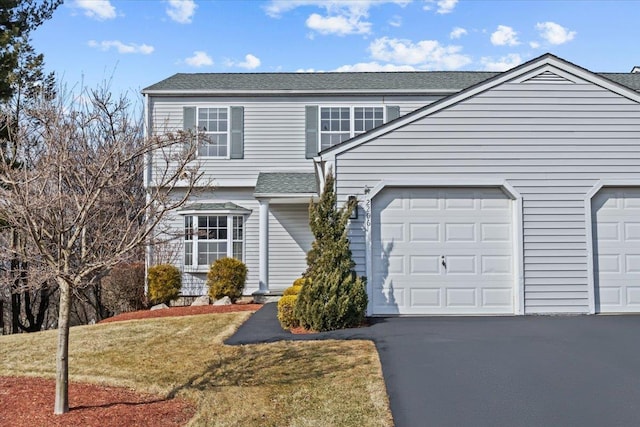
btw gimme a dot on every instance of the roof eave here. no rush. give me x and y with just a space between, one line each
284 92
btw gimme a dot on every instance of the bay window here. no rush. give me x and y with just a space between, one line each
210 237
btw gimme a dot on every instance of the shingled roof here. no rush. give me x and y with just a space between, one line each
286 183
403 81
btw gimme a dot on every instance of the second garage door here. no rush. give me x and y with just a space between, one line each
616 232
442 251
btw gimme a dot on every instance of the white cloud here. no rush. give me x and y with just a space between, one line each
554 33
338 25
250 62
105 45
199 59
504 36
534 45
427 54
501 64
97 9
443 6
275 8
342 17
181 11
395 21
457 32
374 66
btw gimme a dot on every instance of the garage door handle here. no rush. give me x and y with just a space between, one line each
444 263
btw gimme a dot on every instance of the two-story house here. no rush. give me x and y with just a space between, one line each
479 193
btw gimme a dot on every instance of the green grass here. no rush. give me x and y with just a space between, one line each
323 383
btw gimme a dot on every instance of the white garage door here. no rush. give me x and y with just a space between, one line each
616 240
442 251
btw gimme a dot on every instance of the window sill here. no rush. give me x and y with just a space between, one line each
198 269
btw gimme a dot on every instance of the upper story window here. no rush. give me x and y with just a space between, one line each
220 130
214 124
338 124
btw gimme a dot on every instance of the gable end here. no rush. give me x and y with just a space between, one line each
548 77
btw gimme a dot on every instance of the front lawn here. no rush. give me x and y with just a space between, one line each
323 383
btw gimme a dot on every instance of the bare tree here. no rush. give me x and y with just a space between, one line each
74 190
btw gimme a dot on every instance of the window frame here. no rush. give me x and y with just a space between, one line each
227 108
352 123
194 239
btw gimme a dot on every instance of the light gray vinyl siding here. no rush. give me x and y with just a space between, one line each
552 142
274 130
289 241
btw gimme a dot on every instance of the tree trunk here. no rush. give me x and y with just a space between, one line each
62 355
15 313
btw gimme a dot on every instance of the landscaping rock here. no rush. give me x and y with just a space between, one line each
223 301
159 307
203 300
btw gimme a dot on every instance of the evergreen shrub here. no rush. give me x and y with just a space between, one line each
334 296
227 277
165 282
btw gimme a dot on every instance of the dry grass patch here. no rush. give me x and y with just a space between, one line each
322 383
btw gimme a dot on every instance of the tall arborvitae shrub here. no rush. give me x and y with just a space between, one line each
334 297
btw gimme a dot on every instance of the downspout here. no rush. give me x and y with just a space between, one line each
148 252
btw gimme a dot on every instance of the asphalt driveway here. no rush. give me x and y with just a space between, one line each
497 371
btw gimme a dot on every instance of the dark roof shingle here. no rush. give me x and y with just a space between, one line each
286 183
402 81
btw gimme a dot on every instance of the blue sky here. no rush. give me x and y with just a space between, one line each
135 43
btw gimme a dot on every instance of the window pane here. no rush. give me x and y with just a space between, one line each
237 228
188 227
208 252
202 222
188 253
325 141
237 250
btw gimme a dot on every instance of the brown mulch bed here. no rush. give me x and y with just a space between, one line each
182 311
29 402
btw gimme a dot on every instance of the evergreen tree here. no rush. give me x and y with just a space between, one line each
18 18
23 83
333 297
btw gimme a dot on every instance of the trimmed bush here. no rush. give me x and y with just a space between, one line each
226 278
292 290
286 315
165 282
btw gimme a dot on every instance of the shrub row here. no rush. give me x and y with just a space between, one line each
226 277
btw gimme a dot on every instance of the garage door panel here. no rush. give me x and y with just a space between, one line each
424 264
497 297
415 230
497 264
496 232
616 225
632 231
